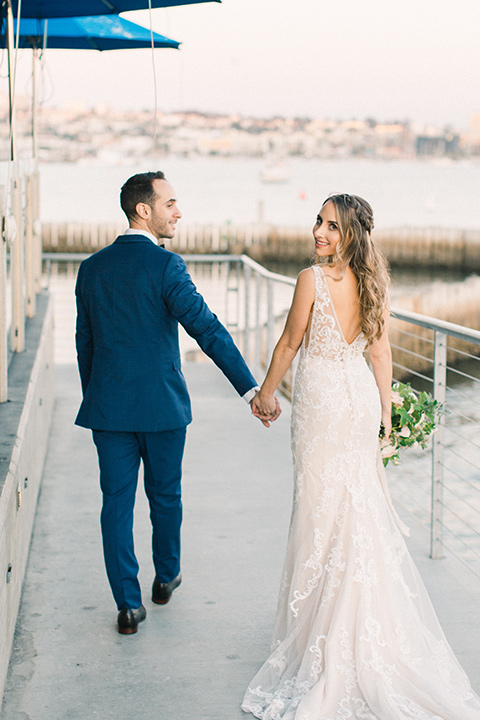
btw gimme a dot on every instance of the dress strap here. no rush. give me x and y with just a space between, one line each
320 281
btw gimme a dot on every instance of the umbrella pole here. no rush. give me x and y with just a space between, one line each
11 92
17 272
30 295
17 329
30 190
34 103
32 240
3 311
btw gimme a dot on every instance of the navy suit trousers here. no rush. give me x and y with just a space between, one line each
119 456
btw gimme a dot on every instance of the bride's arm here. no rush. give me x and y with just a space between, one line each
289 342
380 356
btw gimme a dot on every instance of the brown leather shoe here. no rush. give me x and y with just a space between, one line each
162 592
128 619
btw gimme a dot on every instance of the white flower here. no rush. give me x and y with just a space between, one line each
388 451
421 422
405 432
397 399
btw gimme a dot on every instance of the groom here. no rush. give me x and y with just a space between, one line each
130 298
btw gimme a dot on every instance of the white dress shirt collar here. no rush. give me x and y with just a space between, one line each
135 231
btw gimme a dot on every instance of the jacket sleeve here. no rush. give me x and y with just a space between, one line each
83 335
187 306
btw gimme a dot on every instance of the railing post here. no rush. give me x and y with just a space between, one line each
37 232
439 393
238 270
270 320
227 292
258 327
29 248
247 275
17 274
3 306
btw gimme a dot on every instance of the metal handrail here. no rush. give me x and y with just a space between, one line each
255 327
458 331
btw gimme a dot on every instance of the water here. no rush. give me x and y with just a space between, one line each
214 190
217 190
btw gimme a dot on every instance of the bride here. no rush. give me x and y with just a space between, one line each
356 635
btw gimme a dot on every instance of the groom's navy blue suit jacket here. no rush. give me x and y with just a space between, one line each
130 298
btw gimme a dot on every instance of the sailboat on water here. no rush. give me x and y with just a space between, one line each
275 171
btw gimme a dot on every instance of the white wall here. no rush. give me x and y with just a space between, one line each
24 429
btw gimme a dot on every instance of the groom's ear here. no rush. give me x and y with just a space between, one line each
143 210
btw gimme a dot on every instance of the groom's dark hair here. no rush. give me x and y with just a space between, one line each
138 189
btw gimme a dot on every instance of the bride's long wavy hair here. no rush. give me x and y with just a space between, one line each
356 249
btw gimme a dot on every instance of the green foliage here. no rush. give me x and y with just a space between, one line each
414 419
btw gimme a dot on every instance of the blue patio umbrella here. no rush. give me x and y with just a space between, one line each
46 9
76 8
108 32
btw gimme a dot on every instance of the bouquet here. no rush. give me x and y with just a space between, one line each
414 419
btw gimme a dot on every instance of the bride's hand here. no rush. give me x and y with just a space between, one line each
387 423
266 409
265 405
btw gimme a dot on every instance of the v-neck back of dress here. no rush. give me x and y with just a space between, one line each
325 336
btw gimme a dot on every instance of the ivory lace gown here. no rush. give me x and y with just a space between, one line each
356 635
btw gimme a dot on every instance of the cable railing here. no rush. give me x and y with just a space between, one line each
440 486
451 371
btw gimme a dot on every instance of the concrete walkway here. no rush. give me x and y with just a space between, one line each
191 659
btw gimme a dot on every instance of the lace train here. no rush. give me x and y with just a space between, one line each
356 635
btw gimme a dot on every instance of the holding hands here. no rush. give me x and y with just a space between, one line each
266 408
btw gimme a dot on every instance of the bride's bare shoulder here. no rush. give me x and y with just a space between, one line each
306 278
306 275
305 287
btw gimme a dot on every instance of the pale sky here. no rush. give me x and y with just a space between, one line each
387 59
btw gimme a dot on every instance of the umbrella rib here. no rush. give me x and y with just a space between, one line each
92 42
108 5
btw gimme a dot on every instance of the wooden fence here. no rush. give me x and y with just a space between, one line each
409 247
194 239
441 248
